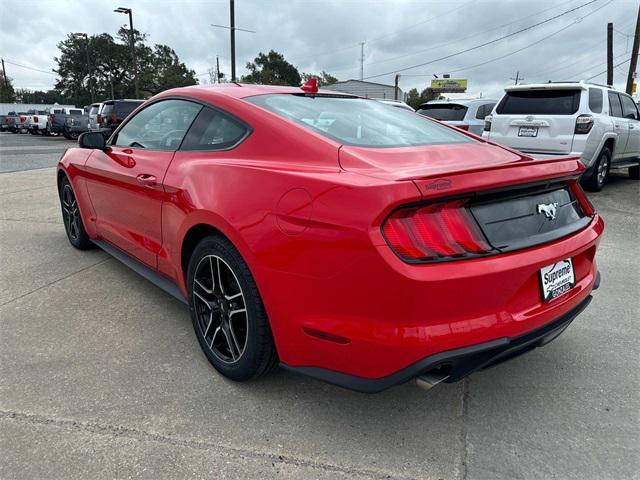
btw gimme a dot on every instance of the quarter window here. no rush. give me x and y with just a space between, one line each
214 130
615 108
595 100
160 126
484 110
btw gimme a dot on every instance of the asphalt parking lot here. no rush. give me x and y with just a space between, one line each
101 376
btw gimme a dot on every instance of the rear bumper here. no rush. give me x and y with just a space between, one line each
458 363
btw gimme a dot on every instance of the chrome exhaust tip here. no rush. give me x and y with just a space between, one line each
429 380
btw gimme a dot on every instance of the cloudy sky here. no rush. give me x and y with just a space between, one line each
326 35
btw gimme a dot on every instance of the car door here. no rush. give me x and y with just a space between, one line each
125 182
620 126
630 113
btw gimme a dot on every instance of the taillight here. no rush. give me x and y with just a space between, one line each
441 231
99 119
585 204
463 127
35 119
487 123
112 118
23 119
584 123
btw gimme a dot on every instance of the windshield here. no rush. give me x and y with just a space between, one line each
357 121
447 112
540 102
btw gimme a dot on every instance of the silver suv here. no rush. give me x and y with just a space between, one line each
463 113
594 122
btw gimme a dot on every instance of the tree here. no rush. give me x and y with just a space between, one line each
109 72
24 95
7 94
324 78
272 69
428 95
413 98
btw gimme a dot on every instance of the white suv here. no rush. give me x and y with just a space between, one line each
594 122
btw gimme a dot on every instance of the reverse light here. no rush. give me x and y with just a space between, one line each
487 123
441 231
584 123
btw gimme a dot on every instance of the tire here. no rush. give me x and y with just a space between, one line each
66 135
231 323
634 172
600 174
73 225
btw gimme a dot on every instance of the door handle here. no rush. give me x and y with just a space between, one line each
147 180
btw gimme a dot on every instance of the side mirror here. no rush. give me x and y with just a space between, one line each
93 140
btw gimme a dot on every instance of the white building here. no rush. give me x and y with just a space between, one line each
25 107
366 89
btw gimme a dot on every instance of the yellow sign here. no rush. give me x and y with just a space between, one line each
451 85
634 87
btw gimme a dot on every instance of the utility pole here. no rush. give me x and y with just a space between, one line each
395 90
217 69
517 78
4 74
609 53
634 55
362 61
232 31
132 45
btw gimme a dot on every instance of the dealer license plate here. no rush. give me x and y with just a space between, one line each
528 132
557 279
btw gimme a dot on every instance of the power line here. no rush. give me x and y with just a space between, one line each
448 43
604 71
28 68
475 47
566 27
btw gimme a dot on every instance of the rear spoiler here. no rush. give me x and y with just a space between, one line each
528 172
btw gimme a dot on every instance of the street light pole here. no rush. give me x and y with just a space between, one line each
132 45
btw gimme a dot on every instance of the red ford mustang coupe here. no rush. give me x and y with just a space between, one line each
336 236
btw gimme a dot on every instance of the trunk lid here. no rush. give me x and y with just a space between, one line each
412 163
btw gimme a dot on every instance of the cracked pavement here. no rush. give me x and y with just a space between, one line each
101 376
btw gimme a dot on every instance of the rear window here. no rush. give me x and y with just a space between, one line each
125 108
75 111
449 111
357 121
540 102
94 109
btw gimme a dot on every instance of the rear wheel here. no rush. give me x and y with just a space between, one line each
227 312
600 174
73 225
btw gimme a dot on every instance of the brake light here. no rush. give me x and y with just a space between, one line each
585 204
99 119
463 127
35 119
441 231
487 123
584 123
112 118
23 119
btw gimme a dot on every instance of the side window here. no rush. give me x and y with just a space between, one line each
615 109
629 107
160 126
595 100
214 130
484 110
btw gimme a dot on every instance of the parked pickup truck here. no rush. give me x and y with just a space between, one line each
113 113
4 126
58 120
38 122
75 125
17 122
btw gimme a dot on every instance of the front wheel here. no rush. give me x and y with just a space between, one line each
600 174
73 225
228 316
